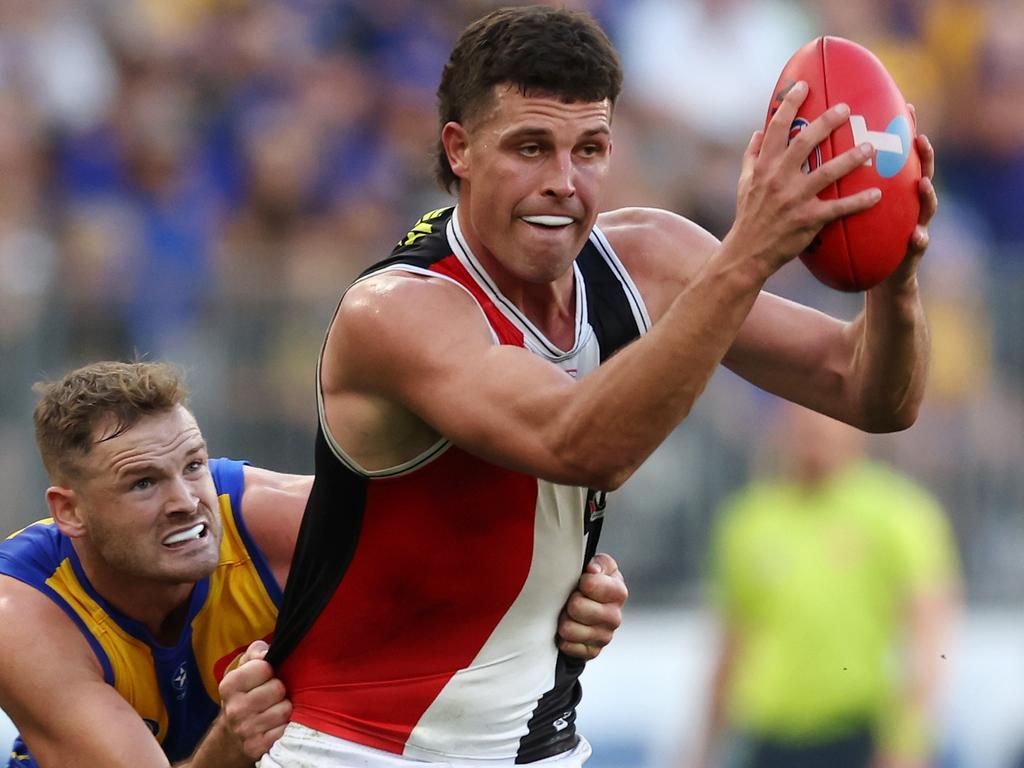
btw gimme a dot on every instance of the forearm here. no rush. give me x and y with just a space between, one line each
890 362
642 393
218 749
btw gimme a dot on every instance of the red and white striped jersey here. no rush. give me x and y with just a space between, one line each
421 610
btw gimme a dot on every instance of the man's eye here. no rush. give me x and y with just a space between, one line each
143 484
529 150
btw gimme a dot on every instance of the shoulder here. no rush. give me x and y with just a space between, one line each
638 226
33 553
661 250
272 508
48 666
386 317
32 623
396 288
267 489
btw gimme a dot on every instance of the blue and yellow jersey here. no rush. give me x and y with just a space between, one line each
173 688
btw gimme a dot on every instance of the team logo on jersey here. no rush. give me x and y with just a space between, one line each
422 228
179 681
813 160
892 146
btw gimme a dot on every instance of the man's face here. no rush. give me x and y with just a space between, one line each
147 502
531 175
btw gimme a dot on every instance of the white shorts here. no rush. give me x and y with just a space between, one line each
302 747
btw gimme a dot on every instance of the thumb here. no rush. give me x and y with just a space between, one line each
754 145
256 650
602 563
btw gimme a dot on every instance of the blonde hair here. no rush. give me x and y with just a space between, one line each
70 408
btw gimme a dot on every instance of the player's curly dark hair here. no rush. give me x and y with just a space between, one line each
70 408
537 49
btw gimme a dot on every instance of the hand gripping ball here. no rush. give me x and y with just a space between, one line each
857 252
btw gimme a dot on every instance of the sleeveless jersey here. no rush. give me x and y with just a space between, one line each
173 688
423 600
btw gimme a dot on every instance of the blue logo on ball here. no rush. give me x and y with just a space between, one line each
887 163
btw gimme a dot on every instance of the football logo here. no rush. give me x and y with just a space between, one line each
892 146
813 161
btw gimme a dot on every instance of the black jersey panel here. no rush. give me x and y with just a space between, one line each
327 542
608 309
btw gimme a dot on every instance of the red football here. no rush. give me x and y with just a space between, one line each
859 251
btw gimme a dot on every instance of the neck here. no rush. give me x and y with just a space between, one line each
160 607
550 305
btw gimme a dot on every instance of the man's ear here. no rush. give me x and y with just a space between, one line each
455 141
63 504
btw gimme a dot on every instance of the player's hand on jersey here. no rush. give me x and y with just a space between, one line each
778 211
594 610
254 702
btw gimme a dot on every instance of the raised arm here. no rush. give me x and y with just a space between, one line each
869 372
52 687
409 357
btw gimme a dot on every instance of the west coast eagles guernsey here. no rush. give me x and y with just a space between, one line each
423 600
173 688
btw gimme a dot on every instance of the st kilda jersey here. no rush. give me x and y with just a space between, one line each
422 606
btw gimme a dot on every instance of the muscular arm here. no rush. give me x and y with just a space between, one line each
272 506
412 356
870 372
52 686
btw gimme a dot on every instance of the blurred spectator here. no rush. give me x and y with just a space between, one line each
676 55
836 584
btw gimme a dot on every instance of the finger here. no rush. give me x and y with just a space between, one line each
579 650
573 632
604 563
269 719
266 742
918 241
257 744
261 698
929 200
754 145
926 152
257 650
601 588
831 171
913 115
593 613
819 129
830 210
776 135
246 677
751 154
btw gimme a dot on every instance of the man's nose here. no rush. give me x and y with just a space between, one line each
560 179
181 497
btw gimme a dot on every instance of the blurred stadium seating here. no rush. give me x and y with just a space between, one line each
199 180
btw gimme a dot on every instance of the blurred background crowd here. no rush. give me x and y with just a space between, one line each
198 181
